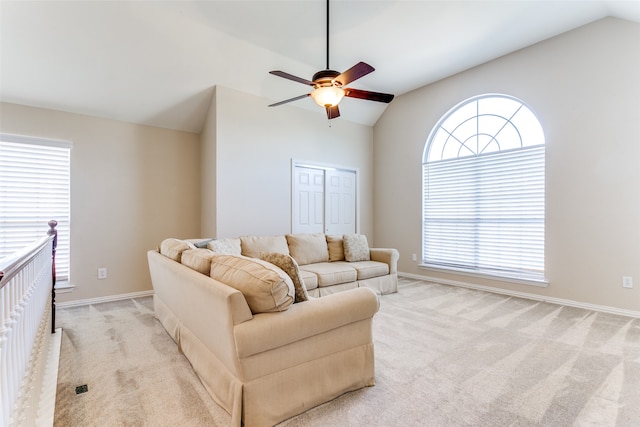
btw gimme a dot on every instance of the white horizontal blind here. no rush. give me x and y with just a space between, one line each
34 188
485 213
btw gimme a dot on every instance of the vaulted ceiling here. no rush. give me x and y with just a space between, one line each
156 62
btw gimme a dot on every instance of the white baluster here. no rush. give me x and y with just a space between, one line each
25 334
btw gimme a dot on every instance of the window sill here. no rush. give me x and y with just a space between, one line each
530 281
64 287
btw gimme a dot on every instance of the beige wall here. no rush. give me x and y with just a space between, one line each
131 186
584 87
254 147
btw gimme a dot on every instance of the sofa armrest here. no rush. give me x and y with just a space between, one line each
267 331
207 308
387 255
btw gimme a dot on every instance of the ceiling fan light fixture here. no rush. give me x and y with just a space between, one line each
327 96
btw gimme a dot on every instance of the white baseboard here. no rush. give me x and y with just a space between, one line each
526 295
99 300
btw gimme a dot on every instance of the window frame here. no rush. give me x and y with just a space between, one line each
510 274
63 251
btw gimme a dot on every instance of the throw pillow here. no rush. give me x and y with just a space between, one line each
254 246
308 248
356 247
289 265
173 248
202 244
265 287
225 246
336 248
198 259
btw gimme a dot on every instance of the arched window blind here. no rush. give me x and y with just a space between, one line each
34 188
484 190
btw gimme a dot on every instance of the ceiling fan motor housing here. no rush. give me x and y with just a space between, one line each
325 78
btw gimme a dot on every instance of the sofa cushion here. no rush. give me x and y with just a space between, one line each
225 246
310 279
368 269
254 246
289 266
265 287
308 248
198 259
331 273
336 248
173 248
356 247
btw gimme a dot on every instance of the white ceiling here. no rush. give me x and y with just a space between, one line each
156 62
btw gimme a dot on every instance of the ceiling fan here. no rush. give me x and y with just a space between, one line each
329 85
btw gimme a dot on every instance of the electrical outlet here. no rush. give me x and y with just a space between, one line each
102 273
627 282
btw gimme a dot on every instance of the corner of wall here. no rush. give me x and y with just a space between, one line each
208 163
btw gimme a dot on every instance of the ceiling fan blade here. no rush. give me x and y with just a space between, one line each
291 77
332 112
289 100
370 96
361 69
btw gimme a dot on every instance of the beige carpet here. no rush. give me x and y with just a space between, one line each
445 356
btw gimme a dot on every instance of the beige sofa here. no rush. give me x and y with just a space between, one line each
262 357
328 264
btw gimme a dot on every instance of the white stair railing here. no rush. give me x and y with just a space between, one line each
27 321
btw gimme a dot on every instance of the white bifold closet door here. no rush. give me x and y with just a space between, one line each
324 200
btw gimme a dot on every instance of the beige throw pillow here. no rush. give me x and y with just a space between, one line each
308 248
336 248
173 248
265 287
356 247
198 259
254 246
289 266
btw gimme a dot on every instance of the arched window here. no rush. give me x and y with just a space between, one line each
484 190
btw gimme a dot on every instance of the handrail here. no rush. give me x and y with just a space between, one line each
12 264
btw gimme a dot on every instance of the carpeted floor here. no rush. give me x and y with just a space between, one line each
445 356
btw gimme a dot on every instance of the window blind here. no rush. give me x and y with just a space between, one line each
34 188
485 214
